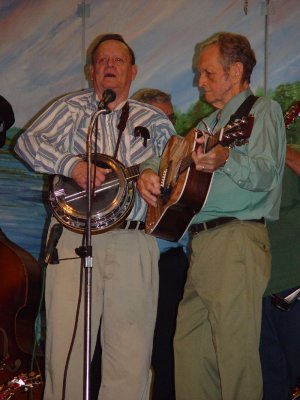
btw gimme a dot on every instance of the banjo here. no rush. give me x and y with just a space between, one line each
111 204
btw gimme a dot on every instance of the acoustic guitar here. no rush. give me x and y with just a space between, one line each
184 190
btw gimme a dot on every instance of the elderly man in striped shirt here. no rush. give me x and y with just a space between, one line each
125 278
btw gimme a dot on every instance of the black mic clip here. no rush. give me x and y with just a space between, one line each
84 251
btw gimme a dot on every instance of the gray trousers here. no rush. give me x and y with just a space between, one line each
124 295
219 319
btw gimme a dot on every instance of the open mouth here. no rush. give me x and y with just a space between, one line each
109 75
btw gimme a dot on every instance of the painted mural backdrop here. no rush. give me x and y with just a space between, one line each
42 55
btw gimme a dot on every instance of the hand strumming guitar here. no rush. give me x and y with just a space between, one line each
149 186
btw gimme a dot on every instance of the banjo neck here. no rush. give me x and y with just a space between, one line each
131 173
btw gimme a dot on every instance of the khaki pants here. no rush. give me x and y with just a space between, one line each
124 295
219 318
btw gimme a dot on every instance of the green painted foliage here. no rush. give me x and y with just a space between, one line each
286 95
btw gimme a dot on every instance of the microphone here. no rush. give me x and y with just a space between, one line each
108 96
54 237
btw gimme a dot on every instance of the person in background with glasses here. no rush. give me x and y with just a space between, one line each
156 98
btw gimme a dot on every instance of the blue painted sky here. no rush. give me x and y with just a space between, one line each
41 44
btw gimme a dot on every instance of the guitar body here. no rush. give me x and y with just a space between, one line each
111 203
169 220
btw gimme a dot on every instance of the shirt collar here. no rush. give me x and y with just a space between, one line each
233 104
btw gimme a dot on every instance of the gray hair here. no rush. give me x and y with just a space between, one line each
147 95
233 48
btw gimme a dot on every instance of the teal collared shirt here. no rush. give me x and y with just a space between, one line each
249 184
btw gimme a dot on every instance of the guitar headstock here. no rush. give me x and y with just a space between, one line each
235 133
292 113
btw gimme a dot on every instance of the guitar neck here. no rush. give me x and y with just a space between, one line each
235 133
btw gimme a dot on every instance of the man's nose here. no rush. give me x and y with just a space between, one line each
110 62
200 83
201 80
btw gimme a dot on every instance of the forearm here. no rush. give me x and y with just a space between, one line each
43 144
152 163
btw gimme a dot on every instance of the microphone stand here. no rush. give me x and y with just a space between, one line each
88 263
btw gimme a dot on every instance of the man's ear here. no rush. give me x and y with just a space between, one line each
90 72
236 71
134 71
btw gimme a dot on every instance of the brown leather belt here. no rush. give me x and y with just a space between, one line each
137 225
196 228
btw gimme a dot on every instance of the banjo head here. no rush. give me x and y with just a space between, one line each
110 206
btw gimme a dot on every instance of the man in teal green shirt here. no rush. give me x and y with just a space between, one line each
218 324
